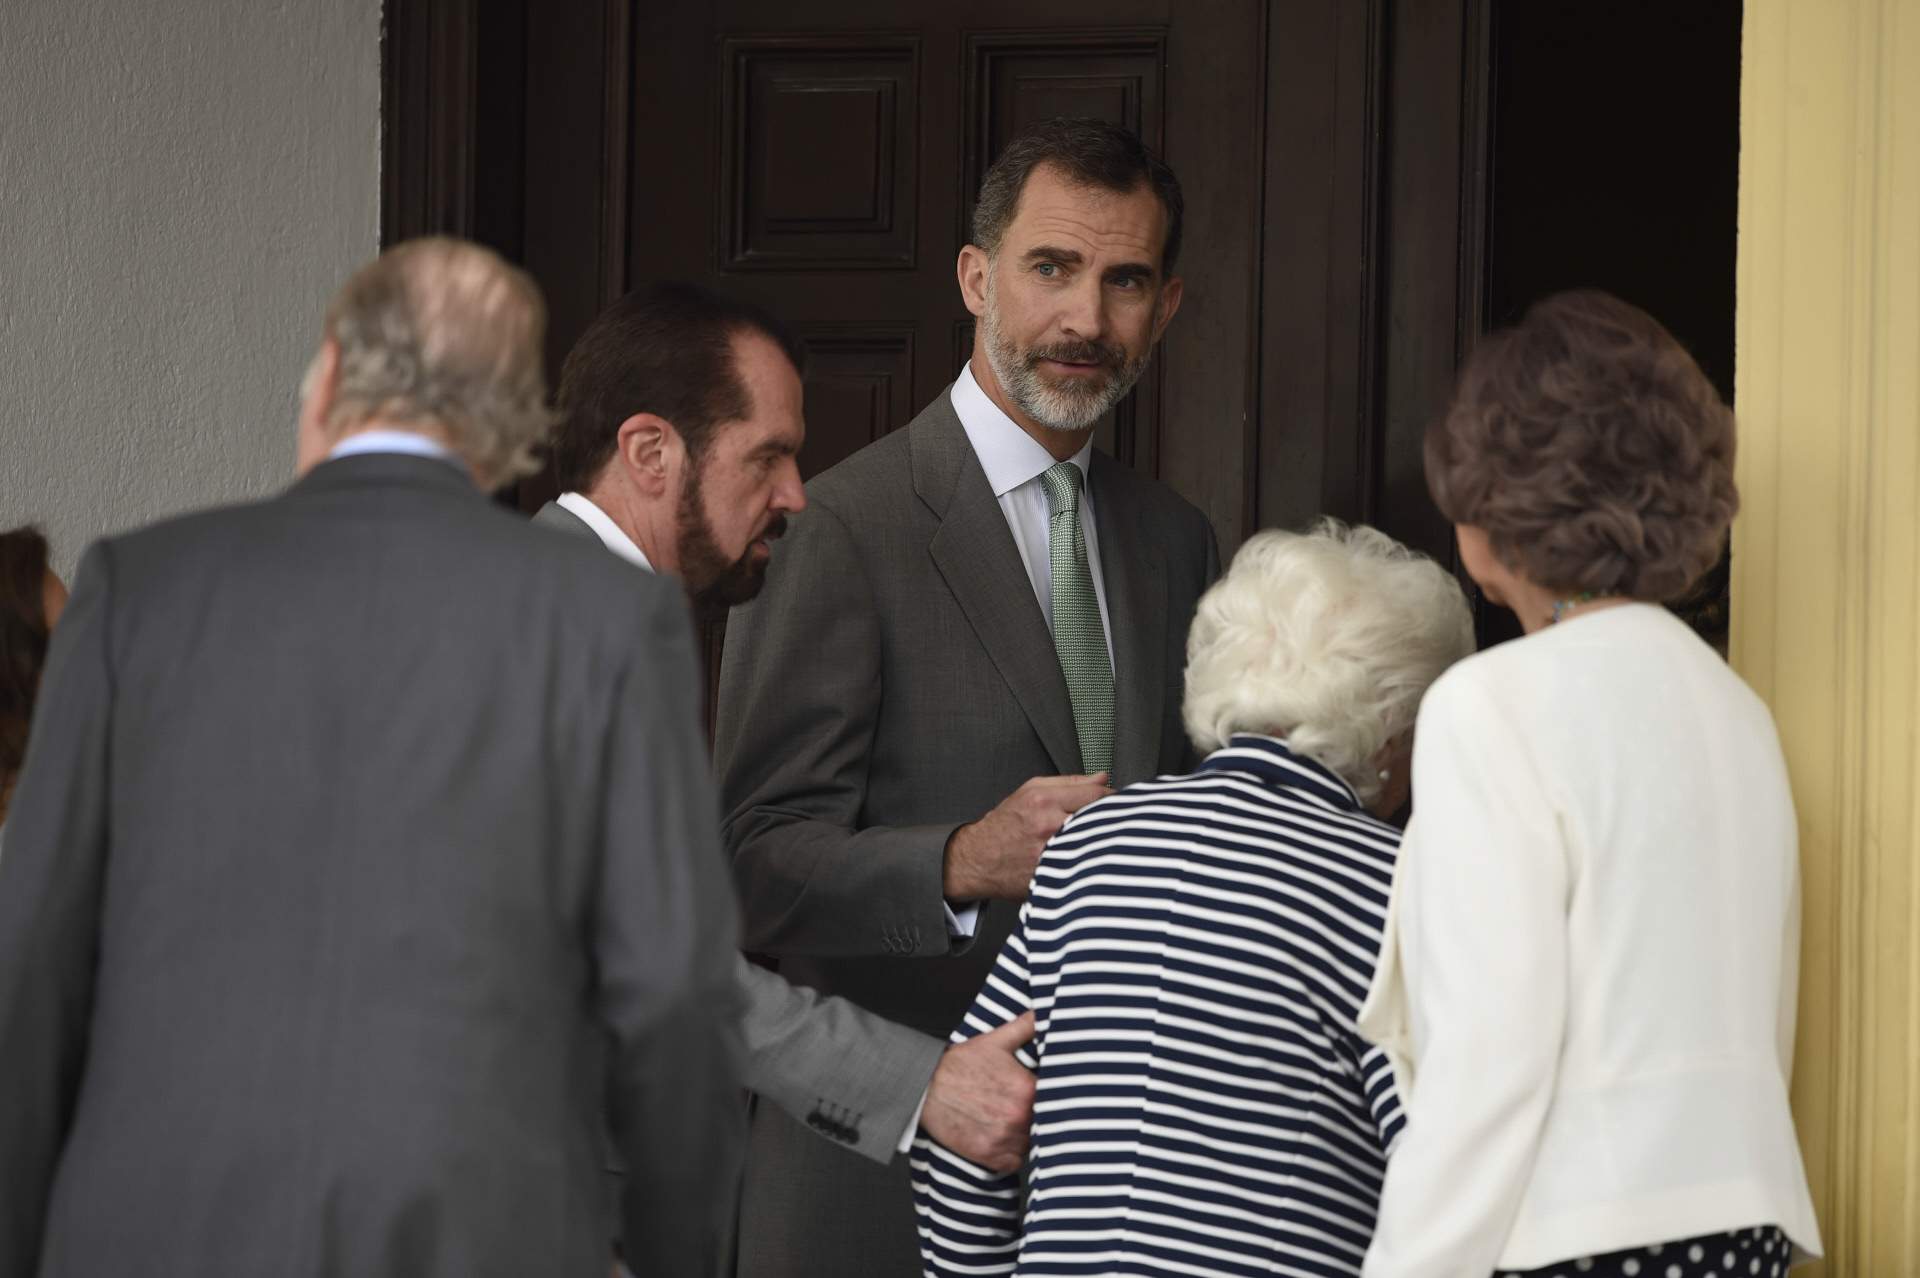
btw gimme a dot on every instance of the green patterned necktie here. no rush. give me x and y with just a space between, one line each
1078 636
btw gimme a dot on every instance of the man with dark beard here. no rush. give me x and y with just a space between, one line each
680 419
977 623
679 425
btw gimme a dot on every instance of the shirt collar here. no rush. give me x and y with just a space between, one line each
611 535
1009 455
1273 762
391 441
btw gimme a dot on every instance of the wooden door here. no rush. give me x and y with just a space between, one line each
823 162
820 160
1346 240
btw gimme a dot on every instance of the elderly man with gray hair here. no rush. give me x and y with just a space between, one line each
365 857
1196 949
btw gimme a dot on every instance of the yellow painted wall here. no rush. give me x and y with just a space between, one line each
1826 589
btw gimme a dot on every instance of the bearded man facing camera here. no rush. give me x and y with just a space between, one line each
974 627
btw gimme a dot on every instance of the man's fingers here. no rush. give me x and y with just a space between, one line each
1016 1033
1075 799
1095 778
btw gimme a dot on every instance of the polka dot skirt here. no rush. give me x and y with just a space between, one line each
1744 1253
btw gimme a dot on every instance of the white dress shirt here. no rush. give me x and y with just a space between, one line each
405 442
1014 462
1589 976
611 535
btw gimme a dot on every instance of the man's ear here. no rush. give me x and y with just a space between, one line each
650 451
972 268
1169 303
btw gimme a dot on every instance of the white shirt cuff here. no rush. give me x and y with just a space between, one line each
961 922
913 1124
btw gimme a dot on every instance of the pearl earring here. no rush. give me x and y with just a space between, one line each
1384 774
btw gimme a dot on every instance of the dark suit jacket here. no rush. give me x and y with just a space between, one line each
895 679
355 825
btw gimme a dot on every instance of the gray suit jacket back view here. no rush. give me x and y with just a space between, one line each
355 825
848 1074
895 679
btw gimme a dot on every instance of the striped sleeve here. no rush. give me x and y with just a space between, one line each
969 1217
1376 1079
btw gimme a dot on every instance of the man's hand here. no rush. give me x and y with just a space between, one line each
994 856
980 1103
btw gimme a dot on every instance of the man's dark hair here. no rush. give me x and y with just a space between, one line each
23 643
1088 152
665 349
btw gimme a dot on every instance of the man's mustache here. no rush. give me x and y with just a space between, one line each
1109 357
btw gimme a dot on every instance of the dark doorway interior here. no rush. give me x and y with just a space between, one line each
1615 165
1616 155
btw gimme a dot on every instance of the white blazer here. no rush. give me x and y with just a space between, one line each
1591 962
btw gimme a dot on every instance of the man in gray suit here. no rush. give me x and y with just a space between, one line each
365 858
976 623
680 422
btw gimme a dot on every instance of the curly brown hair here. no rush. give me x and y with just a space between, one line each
1592 450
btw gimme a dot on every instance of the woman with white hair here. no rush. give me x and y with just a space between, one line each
1196 948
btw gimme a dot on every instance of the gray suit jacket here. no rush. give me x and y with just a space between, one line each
896 679
851 1076
364 857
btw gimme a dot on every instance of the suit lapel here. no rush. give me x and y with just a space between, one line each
974 552
1130 566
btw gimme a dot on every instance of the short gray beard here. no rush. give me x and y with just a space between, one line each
1069 408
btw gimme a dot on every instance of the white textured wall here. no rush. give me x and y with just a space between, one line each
182 185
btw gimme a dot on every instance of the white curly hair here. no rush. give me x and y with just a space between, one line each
1327 639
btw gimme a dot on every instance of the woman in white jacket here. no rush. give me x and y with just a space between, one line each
1590 969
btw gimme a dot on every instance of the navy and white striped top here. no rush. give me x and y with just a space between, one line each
1195 951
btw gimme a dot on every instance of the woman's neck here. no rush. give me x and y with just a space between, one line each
1543 608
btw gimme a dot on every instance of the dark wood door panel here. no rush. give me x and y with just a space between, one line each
1014 79
820 152
859 387
840 159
